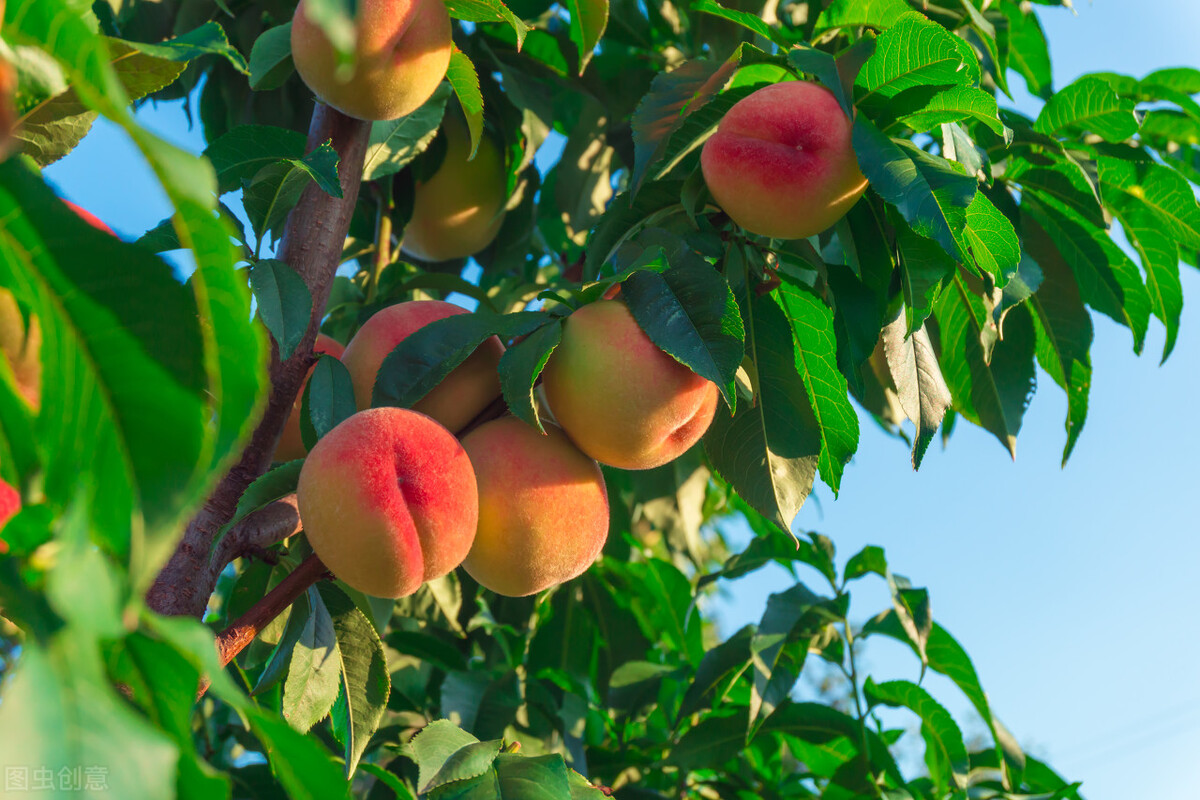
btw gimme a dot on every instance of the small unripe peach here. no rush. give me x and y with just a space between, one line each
388 501
543 509
621 399
291 445
782 163
458 211
461 395
402 52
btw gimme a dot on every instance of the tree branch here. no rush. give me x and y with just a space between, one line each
312 245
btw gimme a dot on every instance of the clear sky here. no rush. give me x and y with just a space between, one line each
1072 589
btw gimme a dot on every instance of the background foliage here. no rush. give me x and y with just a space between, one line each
1025 251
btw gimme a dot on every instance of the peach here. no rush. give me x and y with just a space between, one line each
543 509
459 397
781 163
10 504
388 501
458 211
401 55
21 344
291 445
621 399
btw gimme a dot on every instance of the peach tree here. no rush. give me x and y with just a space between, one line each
167 630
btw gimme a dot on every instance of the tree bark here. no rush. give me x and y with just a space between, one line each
312 245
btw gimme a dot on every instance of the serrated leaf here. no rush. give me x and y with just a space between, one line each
625 215
750 22
313 680
589 18
1090 104
992 395
915 52
284 302
820 724
465 82
689 311
435 743
208 39
862 13
395 143
769 450
271 58
520 367
281 655
921 187
923 268
240 153
987 237
488 11
673 97
1064 331
1160 190
811 322
921 389
1027 50
958 103
1063 179
363 676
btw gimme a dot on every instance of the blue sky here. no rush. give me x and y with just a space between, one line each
1070 588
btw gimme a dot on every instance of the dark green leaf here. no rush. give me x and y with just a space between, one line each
520 367
327 401
920 386
395 143
488 11
589 18
943 738
1027 51
271 58
284 303
208 39
710 744
313 679
238 155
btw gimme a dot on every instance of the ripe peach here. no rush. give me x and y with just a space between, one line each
402 52
459 397
10 504
543 510
458 211
291 445
619 397
781 163
388 501
21 344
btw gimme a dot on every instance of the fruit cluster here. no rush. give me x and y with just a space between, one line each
390 498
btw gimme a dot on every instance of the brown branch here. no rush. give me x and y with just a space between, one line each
312 245
241 632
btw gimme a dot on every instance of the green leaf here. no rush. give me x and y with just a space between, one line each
465 82
272 194
796 614
520 367
862 13
673 97
717 739
313 680
271 58
395 143
689 311
811 322
920 386
281 656
820 724
589 18
1108 280
751 22
272 485
238 155
720 664
924 267
987 236
915 52
828 70
208 39
1027 50
923 188
488 11
870 560
428 355
634 684
625 215
1063 179
123 375
992 395
958 103
1159 254
45 725
284 303
433 745
1089 104
943 738
364 682
1160 190
328 399
300 763
769 450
